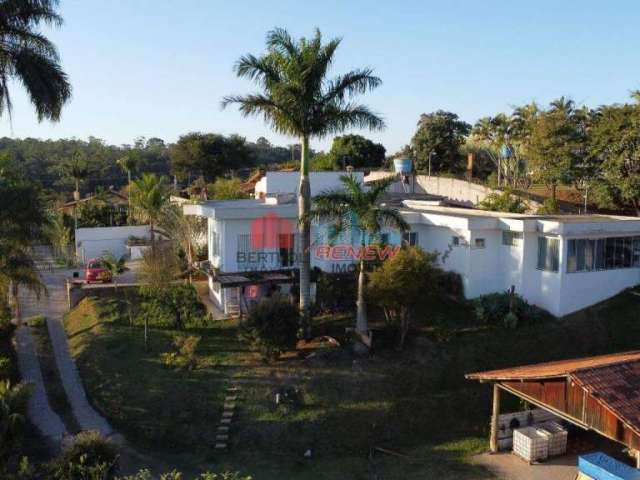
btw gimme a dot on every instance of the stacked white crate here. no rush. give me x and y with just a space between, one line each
557 435
530 444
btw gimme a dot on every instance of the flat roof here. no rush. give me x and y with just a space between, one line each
416 205
559 368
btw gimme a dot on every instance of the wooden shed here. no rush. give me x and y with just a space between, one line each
596 393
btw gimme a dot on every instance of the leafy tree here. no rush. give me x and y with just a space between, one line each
357 151
354 209
555 144
443 133
505 201
185 231
323 162
298 99
30 58
115 266
149 198
13 409
227 189
272 326
407 284
77 169
615 142
60 236
207 154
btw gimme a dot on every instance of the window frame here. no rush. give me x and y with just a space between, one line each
552 265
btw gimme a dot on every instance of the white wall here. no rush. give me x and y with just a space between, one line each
95 242
287 182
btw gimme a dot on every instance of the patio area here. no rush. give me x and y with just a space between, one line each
507 466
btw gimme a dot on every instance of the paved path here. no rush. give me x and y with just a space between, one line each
39 411
508 466
53 307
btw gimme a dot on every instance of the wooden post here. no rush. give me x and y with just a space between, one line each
493 440
638 459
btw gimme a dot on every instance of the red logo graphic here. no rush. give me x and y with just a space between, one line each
271 231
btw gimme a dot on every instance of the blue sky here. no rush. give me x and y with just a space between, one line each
160 67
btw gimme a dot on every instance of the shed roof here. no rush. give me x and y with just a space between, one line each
560 368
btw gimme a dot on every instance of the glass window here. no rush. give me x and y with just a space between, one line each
480 243
602 253
636 252
548 254
410 239
455 241
287 252
511 239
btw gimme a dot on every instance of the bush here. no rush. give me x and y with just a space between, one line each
335 292
503 202
37 321
272 326
89 456
549 207
493 309
184 355
175 475
5 367
176 307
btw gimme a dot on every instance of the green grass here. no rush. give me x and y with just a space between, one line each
416 402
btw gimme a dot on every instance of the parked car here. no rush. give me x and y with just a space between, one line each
96 271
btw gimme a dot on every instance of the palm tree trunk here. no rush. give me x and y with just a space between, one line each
15 290
304 228
128 195
152 238
362 325
146 334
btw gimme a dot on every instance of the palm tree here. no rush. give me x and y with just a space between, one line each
30 58
129 163
77 169
148 201
18 269
358 210
116 266
184 231
297 99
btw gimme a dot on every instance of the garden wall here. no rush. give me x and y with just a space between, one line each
100 241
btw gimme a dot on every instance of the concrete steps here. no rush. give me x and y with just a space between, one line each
228 414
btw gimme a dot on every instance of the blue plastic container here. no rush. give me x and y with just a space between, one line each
599 466
403 165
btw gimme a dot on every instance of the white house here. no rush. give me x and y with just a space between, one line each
287 182
560 263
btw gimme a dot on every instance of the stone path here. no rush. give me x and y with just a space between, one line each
40 412
53 306
228 414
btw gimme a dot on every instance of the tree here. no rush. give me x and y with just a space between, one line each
77 169
129 163
555 144
18 270
299 100
115 266
615 142
503 202
31 58
185 231
354 209
227 189
208 154
356 151
60 236
439 136
406 284
149 198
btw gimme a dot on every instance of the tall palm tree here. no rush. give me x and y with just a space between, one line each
298 99
129 163
28 56
149 199
17 270
78 170
355 209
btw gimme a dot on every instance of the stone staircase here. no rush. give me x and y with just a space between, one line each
228 415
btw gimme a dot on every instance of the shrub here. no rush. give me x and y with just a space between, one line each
175 475
548 207
493 309
13 408
88 456
272 327
184 356
37 321
5 367
335 292
503 202
176 306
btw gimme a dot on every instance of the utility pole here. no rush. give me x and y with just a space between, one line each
432 155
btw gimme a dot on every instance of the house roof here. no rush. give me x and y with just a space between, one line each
561 368
117 195
612 380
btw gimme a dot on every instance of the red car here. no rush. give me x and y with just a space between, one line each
96 271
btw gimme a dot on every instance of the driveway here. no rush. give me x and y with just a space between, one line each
508 466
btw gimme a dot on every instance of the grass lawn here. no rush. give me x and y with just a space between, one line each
416 402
